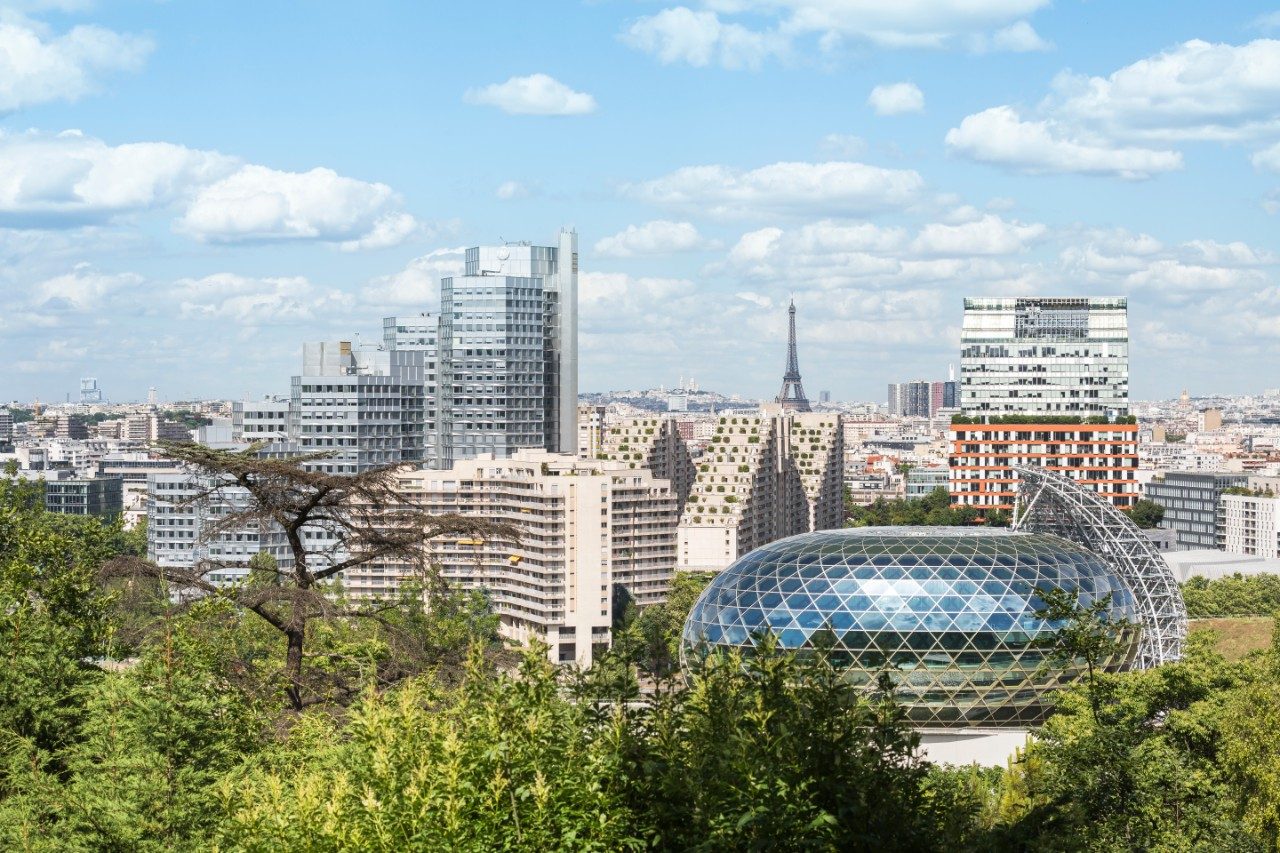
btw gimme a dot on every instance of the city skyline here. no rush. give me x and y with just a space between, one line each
877 168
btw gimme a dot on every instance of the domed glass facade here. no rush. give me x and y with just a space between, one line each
949 611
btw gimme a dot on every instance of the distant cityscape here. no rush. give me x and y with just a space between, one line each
478 401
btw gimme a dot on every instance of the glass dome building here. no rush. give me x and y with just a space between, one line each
950 612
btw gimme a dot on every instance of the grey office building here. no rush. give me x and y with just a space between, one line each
501 359
101 497
1190 500
363 406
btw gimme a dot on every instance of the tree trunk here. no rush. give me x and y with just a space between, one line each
293 666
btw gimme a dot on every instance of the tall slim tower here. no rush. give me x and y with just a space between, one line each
792 395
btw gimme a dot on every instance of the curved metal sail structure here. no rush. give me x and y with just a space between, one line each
1047 502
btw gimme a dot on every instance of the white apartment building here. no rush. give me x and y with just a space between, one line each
364 406
589 529
1249 524
591 427
762 478
259 420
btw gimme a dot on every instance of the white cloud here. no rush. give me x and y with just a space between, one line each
1195 90
658 237
893 99
36 68
834 188
418 284
1015 38
989 235
390 229
537 94
258 203
509 190
257 301
1000 136
1268 158
70 178
700 39
82 289
1124 124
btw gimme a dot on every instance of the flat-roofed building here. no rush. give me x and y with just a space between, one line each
1044 381
101 497
588 531
1190 501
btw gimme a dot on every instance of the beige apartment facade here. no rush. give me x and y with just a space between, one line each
592 536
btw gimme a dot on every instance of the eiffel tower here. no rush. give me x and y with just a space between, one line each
792 395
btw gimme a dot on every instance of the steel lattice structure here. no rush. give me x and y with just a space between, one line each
792 395
1047 502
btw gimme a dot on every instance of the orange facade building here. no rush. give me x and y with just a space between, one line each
982 456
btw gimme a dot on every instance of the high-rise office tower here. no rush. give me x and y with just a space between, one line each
421 333
90 393
505 373
1044 382
1045 356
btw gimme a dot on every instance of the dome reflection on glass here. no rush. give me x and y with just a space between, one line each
950 611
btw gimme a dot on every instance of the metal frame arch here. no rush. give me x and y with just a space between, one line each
1047 502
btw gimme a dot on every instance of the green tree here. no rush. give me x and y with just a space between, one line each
53 616
1085 634
329 524
1146 513
156 736
651 638
499 762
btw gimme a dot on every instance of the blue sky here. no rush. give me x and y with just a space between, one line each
188 191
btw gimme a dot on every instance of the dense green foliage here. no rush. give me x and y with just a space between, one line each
934 508
190 742
1234 595
1146 513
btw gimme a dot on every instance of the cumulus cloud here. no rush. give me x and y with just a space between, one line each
258 203
658 237
82 289
69 180
36 68
1123 124
537 94
1268 158
893 99
418 284
257 301
509 190
1000 136
1196 90
702 38
833 188
989 235
1015 38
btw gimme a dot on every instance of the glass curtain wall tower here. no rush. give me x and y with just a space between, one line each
502 359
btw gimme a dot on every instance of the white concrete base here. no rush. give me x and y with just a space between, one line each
984 747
